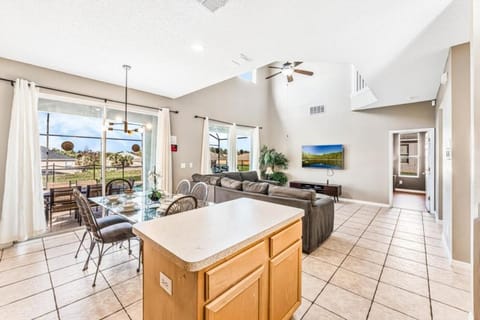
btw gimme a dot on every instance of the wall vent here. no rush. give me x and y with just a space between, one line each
317 109
213 5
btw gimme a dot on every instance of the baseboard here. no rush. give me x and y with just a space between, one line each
409 191
461 264
446 247
365 202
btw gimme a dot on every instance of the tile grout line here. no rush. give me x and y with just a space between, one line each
346 256
383 267
316 297
51 281
428 272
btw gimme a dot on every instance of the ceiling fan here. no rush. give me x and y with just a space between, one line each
288 68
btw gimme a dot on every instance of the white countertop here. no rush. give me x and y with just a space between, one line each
199 238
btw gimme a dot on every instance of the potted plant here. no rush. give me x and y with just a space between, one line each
153 177
270 161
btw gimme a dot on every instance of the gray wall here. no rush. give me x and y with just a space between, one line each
454 101
364 134
232 100
410 183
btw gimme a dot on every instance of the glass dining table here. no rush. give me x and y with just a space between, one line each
137 207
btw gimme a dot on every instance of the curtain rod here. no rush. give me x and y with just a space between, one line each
226 122
90 96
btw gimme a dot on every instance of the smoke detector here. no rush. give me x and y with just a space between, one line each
213 5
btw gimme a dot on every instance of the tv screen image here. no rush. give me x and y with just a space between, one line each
323 156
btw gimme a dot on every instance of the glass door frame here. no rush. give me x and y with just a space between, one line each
105 106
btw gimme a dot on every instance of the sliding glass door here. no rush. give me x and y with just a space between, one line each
79 147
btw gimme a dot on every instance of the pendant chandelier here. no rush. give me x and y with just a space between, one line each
125 124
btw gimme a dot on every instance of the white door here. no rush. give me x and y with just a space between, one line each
430 170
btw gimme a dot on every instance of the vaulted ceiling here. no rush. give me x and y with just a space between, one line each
399 46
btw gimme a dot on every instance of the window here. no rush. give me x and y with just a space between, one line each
250 76
75 149
219 148
408 155
244 149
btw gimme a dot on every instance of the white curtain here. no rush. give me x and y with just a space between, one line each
232 148
164 151
23 215
205 163
256 150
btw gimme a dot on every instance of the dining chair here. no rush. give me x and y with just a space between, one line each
182 204
200 191
111 234
117 186
61 199
94 190
183 187
102 222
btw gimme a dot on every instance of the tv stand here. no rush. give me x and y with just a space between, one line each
333 190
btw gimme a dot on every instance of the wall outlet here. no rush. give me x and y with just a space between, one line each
400 181
166 283
190 165
183 165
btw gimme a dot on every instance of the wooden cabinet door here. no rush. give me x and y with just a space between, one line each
285 289
246 300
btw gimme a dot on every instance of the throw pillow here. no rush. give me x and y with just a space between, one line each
231 184
255 187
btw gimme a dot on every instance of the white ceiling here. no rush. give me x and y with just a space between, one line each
393 43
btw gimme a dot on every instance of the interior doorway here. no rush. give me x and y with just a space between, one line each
412 168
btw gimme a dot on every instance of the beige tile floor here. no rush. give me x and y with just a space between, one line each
380 263
383 263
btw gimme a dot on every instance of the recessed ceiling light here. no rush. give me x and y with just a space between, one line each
197 47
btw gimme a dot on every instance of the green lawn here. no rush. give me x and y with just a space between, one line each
87 175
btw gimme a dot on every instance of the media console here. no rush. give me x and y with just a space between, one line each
333 190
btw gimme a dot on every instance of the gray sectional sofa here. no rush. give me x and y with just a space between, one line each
319 209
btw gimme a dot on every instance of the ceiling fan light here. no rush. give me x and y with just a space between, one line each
287 71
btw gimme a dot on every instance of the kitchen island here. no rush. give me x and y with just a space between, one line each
235 260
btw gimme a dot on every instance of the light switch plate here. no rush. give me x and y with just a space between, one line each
182 165
166 283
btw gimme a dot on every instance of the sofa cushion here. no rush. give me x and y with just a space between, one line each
231 183
212 179
233 175
287 192
249 176
197 177
255 187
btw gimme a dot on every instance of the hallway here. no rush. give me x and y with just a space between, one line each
407 200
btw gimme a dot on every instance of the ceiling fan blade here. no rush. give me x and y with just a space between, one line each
305 72
273 75
297 63
289 78
275 67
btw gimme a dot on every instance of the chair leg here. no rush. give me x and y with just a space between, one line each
81 242
92 245
129 250
140 254
100 254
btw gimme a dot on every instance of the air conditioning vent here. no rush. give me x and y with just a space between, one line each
317 109
213 5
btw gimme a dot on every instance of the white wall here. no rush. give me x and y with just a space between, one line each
364 134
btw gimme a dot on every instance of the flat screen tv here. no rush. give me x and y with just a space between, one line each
323 156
